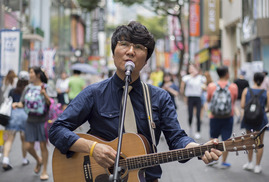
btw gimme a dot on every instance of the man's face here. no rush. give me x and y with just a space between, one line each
126 51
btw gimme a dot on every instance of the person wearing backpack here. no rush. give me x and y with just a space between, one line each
36 102
254 102
222 96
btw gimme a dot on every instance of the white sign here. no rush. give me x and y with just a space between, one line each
34 58
10 51
48 62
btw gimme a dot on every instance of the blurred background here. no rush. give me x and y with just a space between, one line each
59 33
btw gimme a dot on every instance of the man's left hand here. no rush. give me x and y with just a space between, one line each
213 154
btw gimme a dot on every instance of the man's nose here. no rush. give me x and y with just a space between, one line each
131 50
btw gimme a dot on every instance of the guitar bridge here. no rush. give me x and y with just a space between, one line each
87 169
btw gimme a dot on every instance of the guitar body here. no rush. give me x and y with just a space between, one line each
83 168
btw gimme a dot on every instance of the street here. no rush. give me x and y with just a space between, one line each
192 171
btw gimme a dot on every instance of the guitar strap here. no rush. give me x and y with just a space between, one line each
152 126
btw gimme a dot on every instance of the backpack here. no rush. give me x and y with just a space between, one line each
55 110
253 110
34 102
221 102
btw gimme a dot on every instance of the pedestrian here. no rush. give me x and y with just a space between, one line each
62 90
265 83
76 85
16 123
204 94
241 83
169 85
9 82
264 102
192 86
99 105
36 102
221 124
156 76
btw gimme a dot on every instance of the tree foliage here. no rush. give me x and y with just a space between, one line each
156 25
89 5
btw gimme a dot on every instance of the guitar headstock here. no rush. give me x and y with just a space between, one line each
244 142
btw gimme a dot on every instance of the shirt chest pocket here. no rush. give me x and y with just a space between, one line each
110 115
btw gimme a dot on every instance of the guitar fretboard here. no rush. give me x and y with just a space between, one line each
154 159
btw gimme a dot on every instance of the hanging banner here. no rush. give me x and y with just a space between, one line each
194 19
48 62
10 51
34 61
211 17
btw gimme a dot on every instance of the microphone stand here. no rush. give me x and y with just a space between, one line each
116 177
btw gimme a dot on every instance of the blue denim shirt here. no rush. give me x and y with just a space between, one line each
99 104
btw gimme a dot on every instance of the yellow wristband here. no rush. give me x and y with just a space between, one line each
93 145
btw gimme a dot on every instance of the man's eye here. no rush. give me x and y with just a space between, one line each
124 44
140 47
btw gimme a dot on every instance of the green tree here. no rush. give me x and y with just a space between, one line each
156 25
89 5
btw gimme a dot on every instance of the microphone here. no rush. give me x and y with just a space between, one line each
129 67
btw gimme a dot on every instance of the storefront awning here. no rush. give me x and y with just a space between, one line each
33 37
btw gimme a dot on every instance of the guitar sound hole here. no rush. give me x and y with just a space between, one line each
123 169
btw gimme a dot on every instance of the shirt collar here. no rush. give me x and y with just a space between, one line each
120 83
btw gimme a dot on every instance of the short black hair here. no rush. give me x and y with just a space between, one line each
222 71
135 33
78 72
258 78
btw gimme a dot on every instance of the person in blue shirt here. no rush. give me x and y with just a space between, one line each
99 105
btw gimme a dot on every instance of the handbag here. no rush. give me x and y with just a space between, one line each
5 111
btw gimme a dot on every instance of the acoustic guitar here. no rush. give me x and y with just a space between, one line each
135 157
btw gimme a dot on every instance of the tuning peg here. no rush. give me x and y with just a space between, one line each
243 133
242 138
233 137
254 147
251 130
246 152
235 149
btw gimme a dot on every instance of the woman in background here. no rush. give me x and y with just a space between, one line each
16 122
62 90
192 87
169 85
36 102
264 101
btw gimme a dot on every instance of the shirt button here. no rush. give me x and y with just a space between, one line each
110 115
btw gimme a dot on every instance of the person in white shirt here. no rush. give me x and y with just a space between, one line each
192 87
62 90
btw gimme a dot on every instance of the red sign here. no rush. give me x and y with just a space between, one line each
195 19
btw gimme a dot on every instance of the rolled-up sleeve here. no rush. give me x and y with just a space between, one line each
175 136
61 133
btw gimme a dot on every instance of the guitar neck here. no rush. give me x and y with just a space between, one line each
154 159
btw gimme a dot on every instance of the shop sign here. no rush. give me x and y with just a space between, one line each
10 51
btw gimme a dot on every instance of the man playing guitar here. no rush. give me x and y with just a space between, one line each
99 105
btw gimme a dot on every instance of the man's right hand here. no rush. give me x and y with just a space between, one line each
104 155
